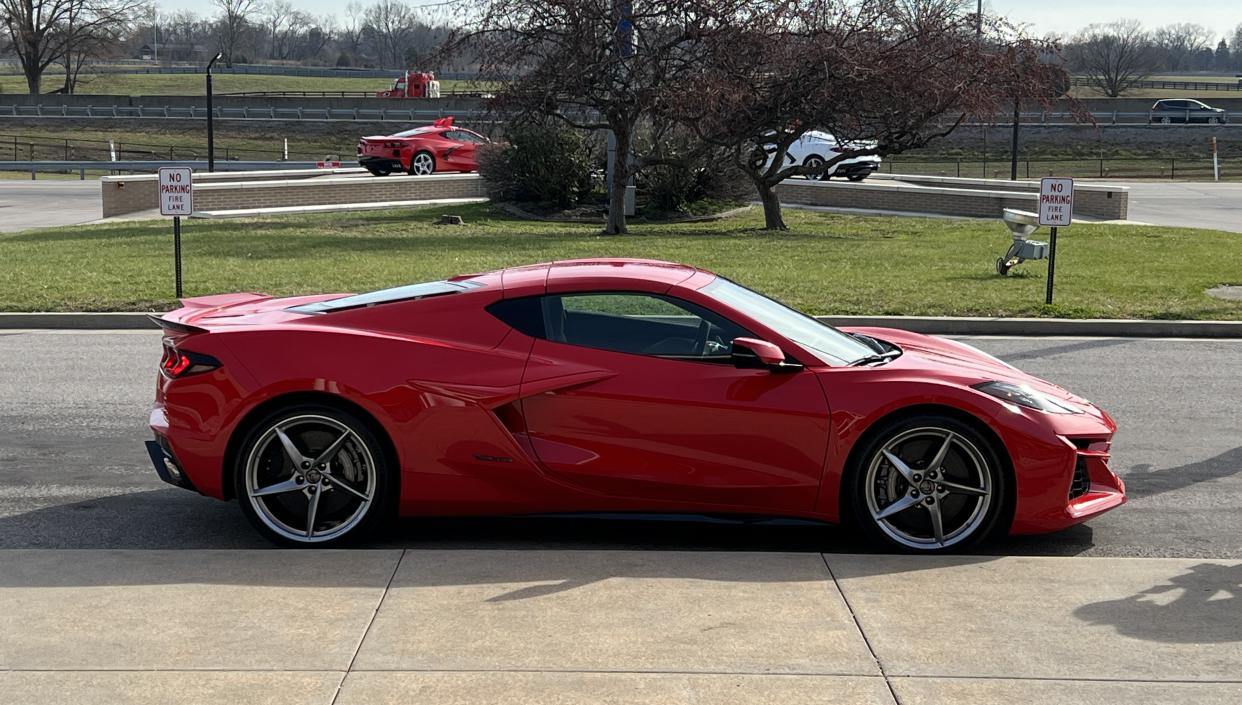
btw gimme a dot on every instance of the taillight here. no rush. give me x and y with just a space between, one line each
183 363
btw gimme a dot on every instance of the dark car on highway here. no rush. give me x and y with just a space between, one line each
1167 112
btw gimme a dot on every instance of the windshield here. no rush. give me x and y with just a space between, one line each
830 345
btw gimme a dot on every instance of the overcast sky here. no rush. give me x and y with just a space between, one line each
1042 16
1066 16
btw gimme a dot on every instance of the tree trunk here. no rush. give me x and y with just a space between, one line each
772 219
33 79
616 191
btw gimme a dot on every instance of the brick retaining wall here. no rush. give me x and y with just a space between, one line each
265 189
984 198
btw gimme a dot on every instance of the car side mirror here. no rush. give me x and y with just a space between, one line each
752 353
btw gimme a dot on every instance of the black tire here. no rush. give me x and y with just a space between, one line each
856 177
379 170
967 519
361 468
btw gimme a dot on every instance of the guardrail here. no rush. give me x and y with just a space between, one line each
465 115
444 92
1168 85
140 66
270 113
144 165
1070 165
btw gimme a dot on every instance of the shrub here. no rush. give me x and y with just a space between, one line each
693 179
543 164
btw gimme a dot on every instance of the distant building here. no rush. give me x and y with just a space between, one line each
172 52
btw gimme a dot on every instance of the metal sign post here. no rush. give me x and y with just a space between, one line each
1056 209
176 186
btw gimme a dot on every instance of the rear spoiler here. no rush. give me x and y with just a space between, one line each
174 326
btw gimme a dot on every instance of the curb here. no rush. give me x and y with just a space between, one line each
939 325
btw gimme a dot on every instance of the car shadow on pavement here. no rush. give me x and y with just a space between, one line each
1141 482
1200 606
175 519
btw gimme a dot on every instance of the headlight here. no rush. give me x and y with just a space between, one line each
1025 396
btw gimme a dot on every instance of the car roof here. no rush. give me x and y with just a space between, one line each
596 274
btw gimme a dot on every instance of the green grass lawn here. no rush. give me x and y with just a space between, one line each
824 264
193 84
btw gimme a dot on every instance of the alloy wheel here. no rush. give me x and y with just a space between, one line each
422 164
814 163
310 478
929 488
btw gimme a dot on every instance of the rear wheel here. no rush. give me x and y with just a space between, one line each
927 484
422 164
380 170
312 475
857 177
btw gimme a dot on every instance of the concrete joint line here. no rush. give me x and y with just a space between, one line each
862 632
378 604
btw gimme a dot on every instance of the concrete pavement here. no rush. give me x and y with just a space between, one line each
41 204
1189 204
556 626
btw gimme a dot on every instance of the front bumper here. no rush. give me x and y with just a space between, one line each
166 465
1084 486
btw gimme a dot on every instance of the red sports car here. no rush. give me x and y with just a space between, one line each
422 150
610 386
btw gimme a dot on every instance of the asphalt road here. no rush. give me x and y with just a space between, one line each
1187 204
73 471
41 204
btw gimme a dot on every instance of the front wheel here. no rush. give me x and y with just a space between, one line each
312 475
814 162
927 484
856 177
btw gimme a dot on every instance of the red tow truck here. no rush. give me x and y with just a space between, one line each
413 84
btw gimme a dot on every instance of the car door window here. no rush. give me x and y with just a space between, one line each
642 324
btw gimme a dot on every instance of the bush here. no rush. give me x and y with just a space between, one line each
544 164
705 178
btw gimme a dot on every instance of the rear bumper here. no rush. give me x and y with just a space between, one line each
371 160
166 465
862 168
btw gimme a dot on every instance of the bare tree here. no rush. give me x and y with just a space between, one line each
352 29
1116 55
860 70
1181 42
593 64
42 31
93 31
234 20
391 25
284 27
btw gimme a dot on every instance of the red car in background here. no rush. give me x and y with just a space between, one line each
610 386
423 150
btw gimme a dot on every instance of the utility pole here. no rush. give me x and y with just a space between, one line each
1013 164
211 128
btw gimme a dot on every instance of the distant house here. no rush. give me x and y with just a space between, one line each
172 52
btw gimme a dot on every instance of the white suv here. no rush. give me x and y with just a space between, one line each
814 148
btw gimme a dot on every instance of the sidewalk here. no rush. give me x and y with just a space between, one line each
445 626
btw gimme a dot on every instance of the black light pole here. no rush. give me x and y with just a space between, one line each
1013 164
211 128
